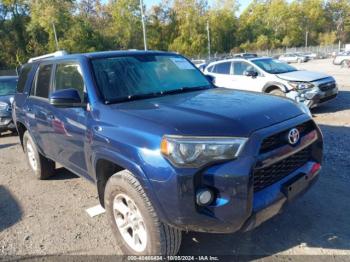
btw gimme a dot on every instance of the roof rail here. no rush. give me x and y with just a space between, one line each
55 54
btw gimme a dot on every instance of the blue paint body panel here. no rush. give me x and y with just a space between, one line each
129 135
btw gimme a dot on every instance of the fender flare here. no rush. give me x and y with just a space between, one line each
30 133
277 84
134 168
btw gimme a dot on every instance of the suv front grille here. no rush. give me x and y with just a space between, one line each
280 139
327 86
267 176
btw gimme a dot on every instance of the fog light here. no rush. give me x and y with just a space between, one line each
204 197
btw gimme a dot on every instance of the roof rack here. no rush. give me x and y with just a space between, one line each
55 54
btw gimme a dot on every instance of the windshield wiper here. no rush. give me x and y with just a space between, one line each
156 94
185 89
130 98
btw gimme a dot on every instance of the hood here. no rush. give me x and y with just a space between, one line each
302 75
212 112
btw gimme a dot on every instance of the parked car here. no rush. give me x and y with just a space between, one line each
245 55
167 150
314 55
293 58
272 76
342 59
7 91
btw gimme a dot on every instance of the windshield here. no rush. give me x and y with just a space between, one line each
274 66
8 86
133 77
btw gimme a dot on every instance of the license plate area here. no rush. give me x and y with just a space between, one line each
295 186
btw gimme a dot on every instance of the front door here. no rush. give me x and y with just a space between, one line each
245 82
69 123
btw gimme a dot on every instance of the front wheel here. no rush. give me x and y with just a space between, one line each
134 222
345 64
277 92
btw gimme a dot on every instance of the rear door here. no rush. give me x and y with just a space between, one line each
38 110
222 74
69 123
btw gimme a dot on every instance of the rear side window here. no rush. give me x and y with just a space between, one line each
210 68
23 77
43 81
69 75
223 68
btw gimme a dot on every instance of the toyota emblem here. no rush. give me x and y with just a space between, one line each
293 136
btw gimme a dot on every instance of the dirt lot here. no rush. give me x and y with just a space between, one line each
49 217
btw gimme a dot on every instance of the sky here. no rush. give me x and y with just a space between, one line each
242 3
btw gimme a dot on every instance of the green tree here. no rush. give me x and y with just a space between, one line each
13 35
126 27
44 15
223 25
338 14
191 36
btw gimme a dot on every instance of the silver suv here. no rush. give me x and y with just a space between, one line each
342 59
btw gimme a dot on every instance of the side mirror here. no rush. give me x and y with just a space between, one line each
210 78
65 98
250 73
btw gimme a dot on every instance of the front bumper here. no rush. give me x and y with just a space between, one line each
314 97
6 122
237 206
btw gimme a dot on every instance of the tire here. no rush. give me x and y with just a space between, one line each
42 167
161 239
344 64
277 92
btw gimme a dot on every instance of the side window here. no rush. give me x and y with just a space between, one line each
43 80
210 68
68 75
23 77
240 67
223 68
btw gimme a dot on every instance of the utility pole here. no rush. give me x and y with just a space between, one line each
143 25
55 34
306 38
209 47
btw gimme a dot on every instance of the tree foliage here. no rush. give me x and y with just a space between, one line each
27 26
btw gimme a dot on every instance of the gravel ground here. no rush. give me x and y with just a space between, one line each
49 217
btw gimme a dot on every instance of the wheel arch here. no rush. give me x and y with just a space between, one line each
107 163
268 87
21 129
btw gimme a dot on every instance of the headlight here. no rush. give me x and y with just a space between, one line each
199 151
305 109
301 85
4 106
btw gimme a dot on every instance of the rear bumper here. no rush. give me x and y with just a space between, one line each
237 206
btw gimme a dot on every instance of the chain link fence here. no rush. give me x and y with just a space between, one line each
321 51
8 72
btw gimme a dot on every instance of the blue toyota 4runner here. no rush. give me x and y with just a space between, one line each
167 150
